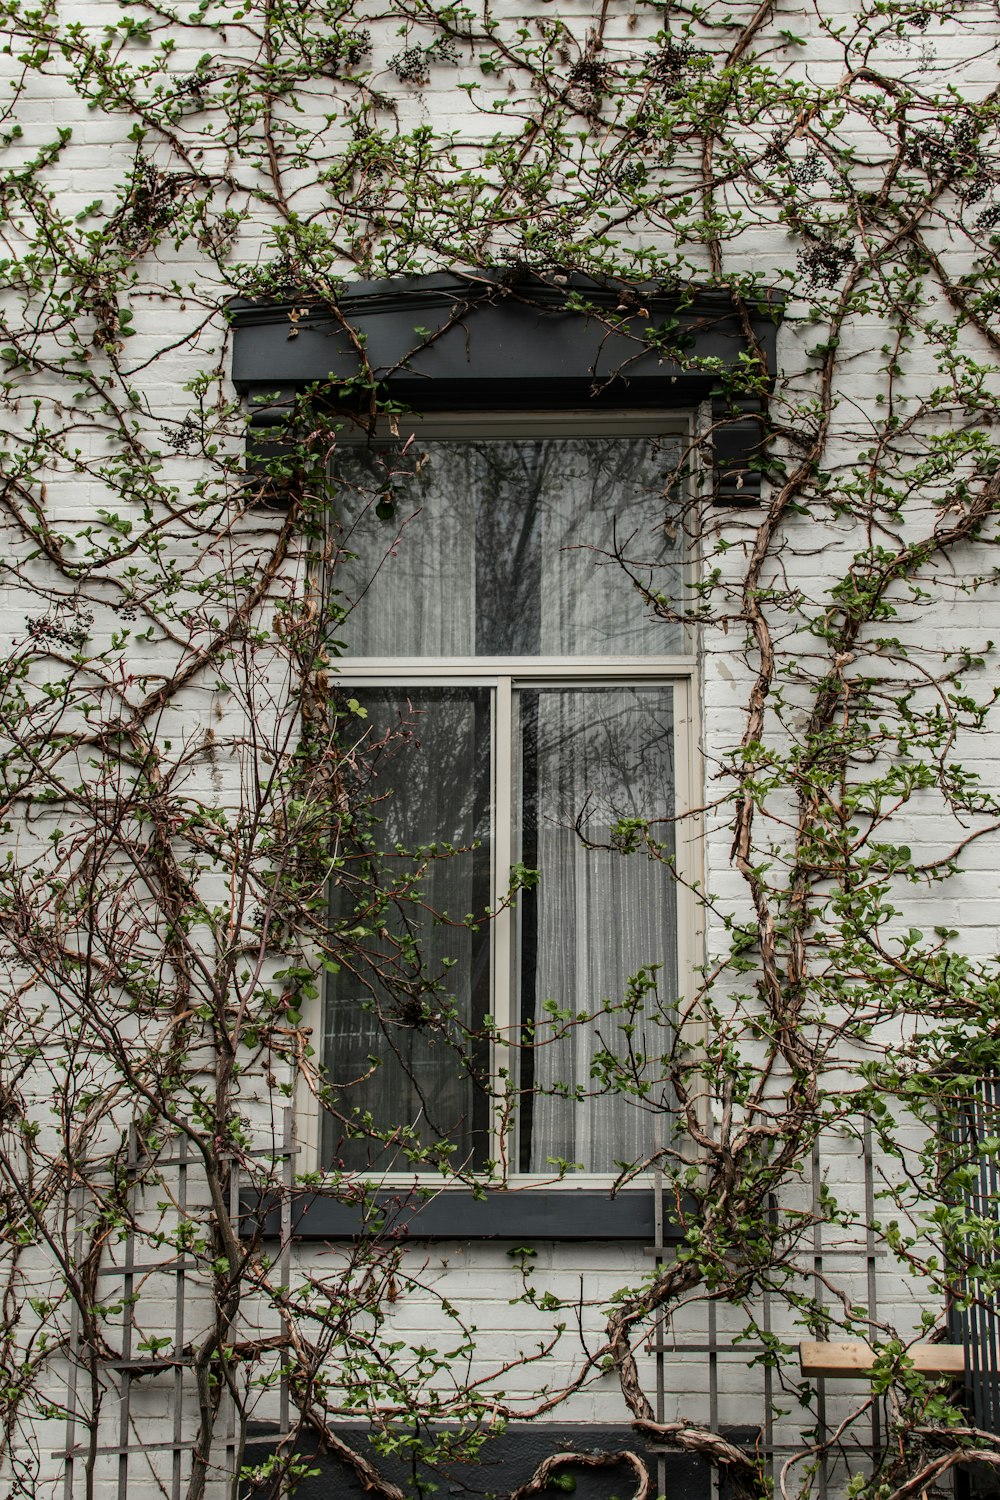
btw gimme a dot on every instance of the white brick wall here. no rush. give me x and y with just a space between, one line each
479 1279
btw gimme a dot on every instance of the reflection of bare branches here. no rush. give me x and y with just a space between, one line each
498 564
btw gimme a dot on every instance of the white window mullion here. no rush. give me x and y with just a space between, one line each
584 1043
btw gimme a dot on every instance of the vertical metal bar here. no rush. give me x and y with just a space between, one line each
976 1120
974 1320
128 1286
661 1390
964 1134
286 1259
768 1374
817 1236
989 1210
712 1340
872 1265
232 1416
180 1293
72 1352
713 1365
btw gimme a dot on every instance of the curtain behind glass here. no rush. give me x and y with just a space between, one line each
426 768
411 588
605 496
507 547
589 758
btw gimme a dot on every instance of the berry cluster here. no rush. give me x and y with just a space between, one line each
149 208
671 65
805 170
196 86
955 156
413 65
67 626
802 170
631 175
823 263
590 75
344 49
181 435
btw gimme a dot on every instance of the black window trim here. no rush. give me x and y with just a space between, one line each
522 1215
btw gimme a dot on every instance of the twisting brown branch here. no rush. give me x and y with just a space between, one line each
541 1479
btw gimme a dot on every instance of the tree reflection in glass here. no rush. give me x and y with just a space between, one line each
403 1018
507 547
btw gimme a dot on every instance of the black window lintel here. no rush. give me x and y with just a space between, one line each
494 342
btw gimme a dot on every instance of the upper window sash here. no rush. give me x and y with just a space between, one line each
543 544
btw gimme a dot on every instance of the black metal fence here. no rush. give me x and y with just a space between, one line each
975 1315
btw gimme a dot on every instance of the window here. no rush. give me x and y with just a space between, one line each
526 718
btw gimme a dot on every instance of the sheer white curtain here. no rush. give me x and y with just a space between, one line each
410 587
506 547
603 495
591 757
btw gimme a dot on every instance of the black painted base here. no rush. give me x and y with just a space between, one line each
504 1463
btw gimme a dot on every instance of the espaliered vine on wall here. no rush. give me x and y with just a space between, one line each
180 778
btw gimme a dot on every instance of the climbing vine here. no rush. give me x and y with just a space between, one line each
183 781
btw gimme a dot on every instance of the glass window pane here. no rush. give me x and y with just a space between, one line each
404 1014
595 765
405 533
604 502
508 547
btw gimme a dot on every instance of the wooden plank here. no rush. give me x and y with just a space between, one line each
846 1360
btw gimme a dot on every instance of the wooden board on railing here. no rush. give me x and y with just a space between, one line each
847 1359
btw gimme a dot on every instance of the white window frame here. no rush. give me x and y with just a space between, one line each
503 675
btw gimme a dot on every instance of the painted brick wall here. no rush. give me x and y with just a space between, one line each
721 1386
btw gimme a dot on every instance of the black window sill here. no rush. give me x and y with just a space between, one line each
524 1215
